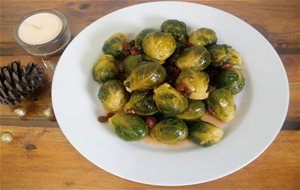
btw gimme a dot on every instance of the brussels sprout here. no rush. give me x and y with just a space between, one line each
195 110
114 44
169 101
129 127
145 76
204 133
141 104
170 131
220 104
203 37
221 54
196 58
232 79
176 28
131 62
141 35
159 45
113 95
105 69
195 84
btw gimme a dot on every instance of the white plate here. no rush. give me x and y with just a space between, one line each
262 106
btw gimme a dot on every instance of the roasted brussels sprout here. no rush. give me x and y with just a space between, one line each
141 35
170 131
131 62
220 104
221 54
169 101
141 104
114 44
176 28
145 76
203 37
193 85
129 127
204 133
195 110
232 79
159 45
113 95
105 69
196 58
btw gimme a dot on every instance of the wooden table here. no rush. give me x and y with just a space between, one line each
40 157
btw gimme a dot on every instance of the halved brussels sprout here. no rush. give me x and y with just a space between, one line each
114 44
204 133
169 101
195 110
105 69
232 79
170 131
195 84
159 45
176 28
196 58
113 95
220 104
141 104
141 35
203 37
145 76
221 54
129 127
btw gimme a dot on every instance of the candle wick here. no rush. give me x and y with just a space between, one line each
33 25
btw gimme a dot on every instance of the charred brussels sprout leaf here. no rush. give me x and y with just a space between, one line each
196 58
204 133
141 104
129 127
169 101
105 69
203 37
114 44
195 110
170 131
159 45
195 84
232 79
141 35
176 28
145 76
113 95
220 103
221 54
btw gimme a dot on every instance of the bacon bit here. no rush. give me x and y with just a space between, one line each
210 111
110 114
120 67
130 111
226 66
125 52
173 71
134 51
187 44
103 119
181 87
151 121
132 43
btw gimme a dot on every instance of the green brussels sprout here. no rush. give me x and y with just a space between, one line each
105 69
131 62
141 104
195 110
170 131
169 101
129 127
232 79
145 76
114 44
159 45
204 133
141 35
221 54
203 37
195 84
196 58
113 95
176 28
220 104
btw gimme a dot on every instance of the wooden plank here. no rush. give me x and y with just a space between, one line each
42 158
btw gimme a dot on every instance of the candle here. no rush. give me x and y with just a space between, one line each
43 32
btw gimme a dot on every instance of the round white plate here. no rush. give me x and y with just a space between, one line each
261 107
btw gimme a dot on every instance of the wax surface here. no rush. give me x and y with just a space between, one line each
40 28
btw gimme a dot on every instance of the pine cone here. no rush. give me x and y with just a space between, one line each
17 81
